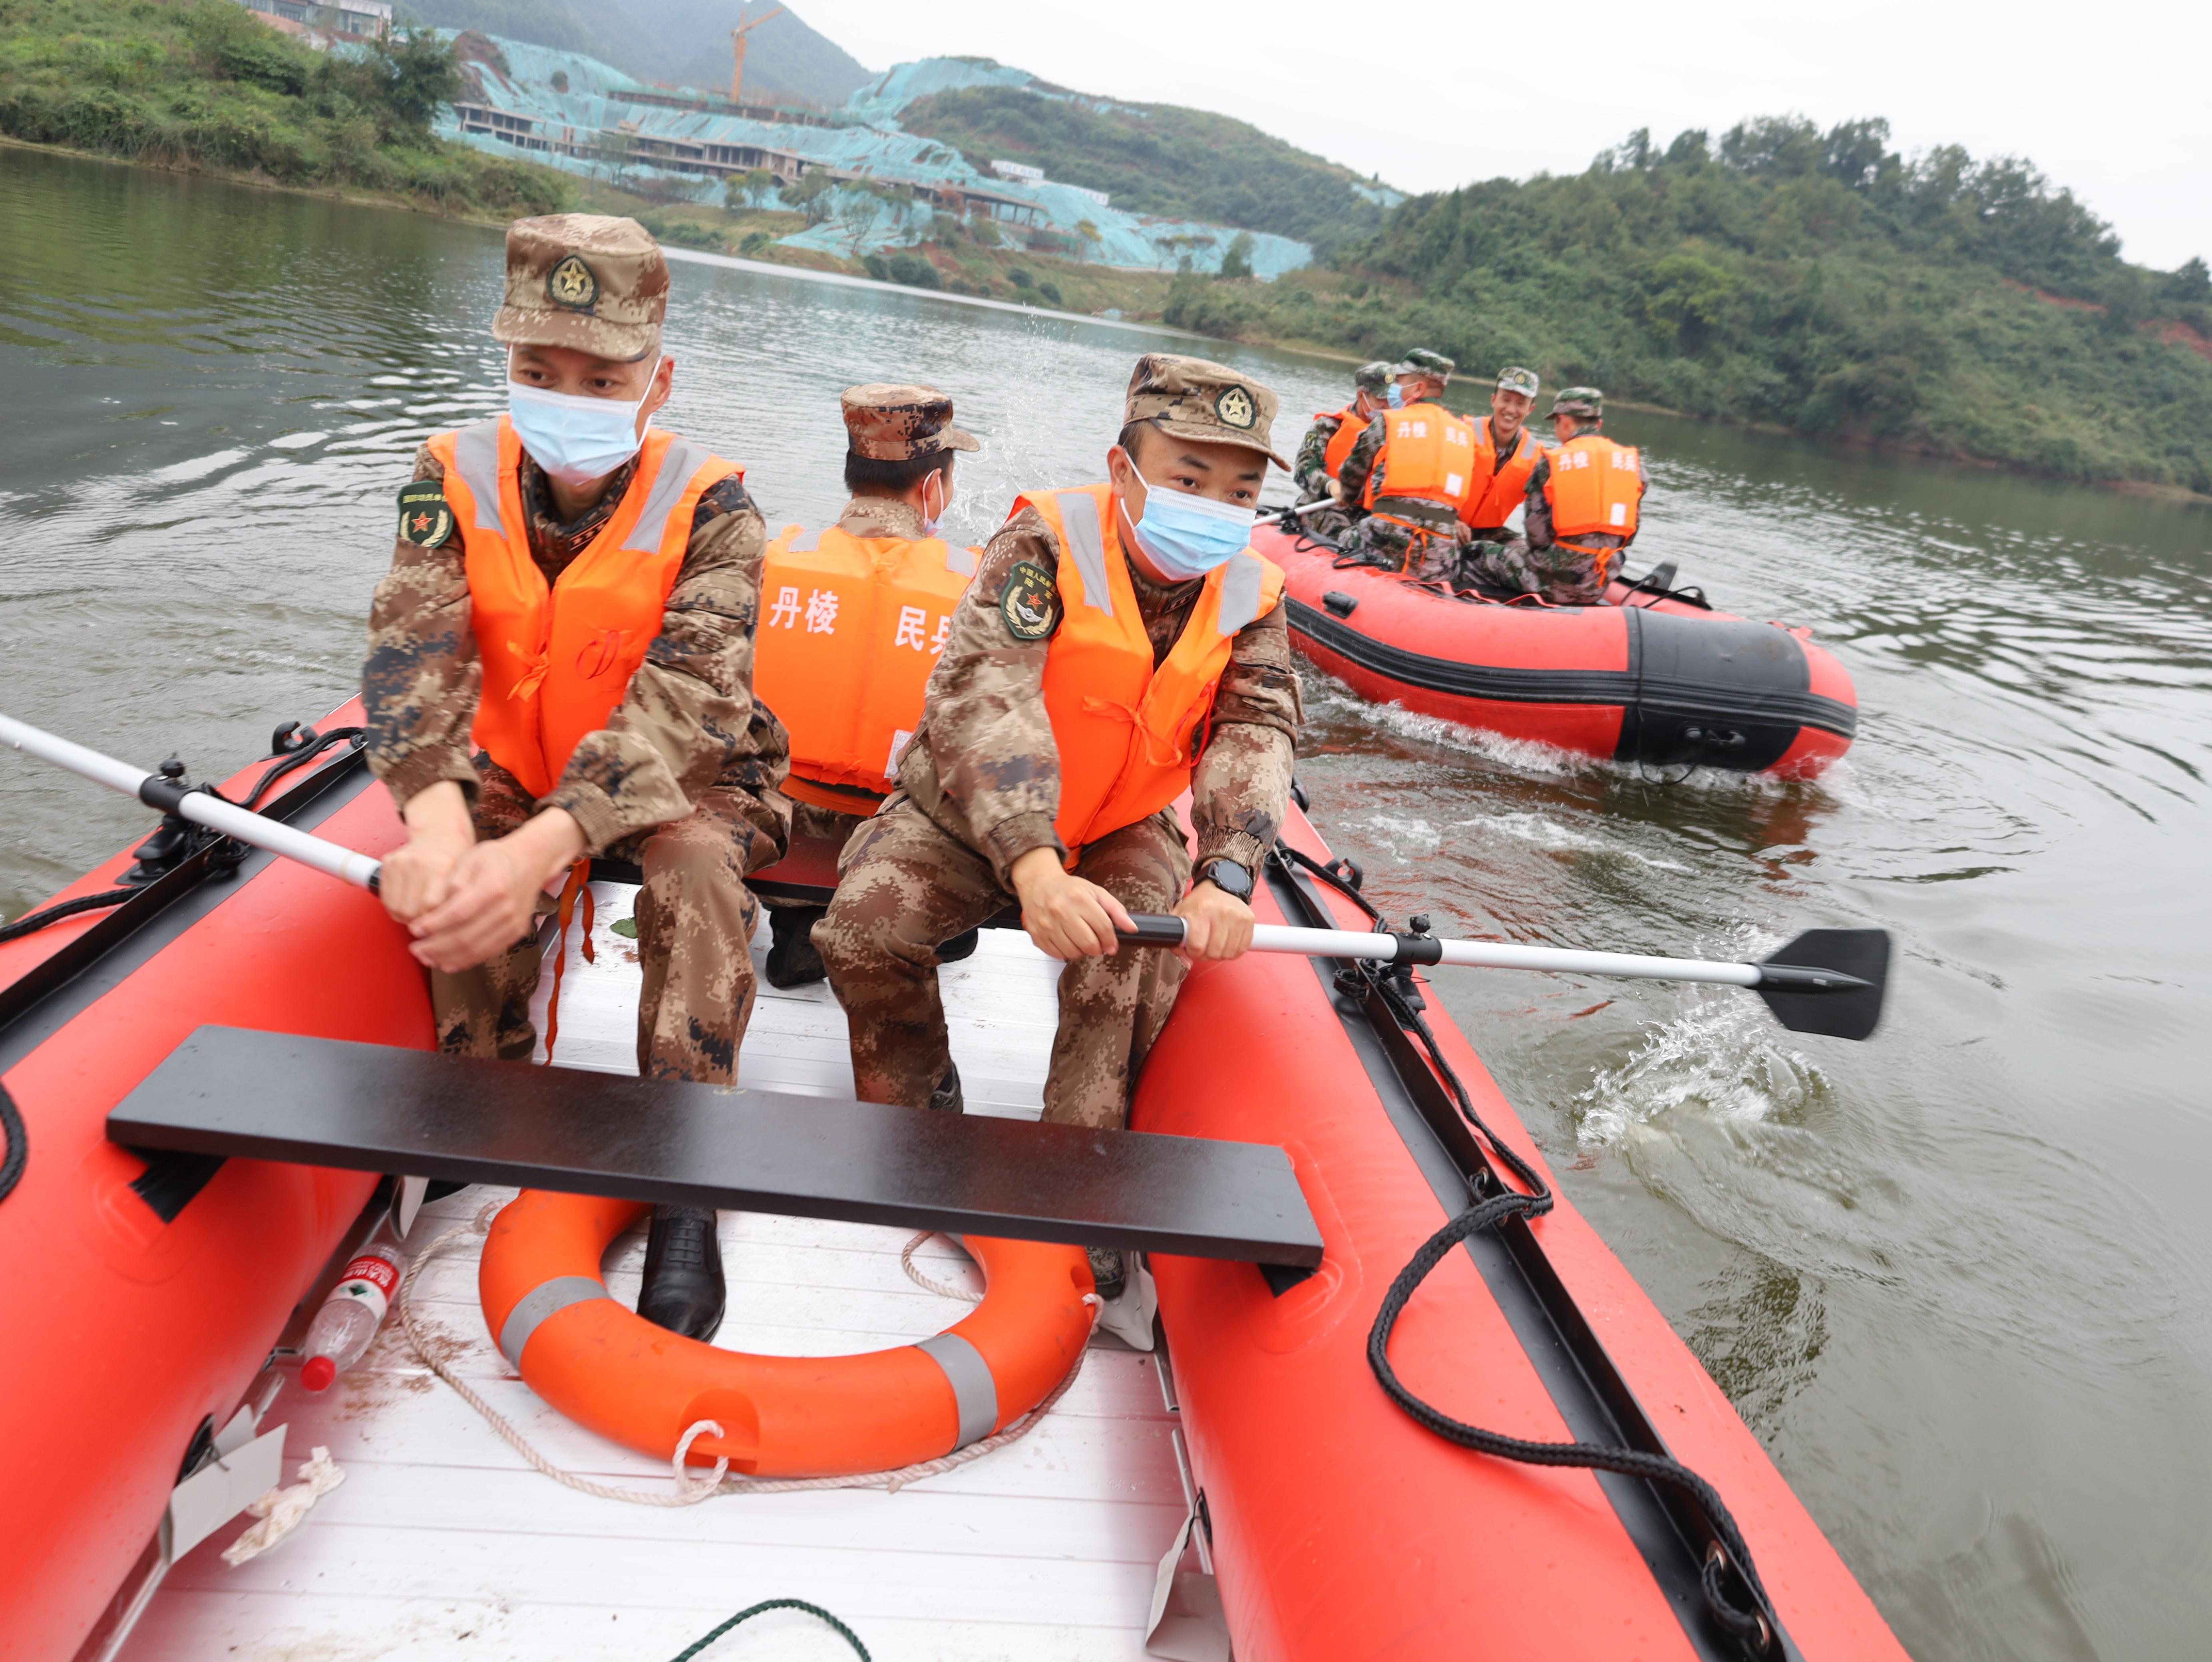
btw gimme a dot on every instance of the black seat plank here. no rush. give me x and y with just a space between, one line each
807 873
373 1107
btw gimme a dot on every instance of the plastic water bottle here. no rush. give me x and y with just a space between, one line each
348 1321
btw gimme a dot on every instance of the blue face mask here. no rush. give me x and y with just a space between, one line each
577 439
1186 535
1397 396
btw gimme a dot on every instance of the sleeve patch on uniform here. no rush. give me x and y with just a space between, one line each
1031 604
424 519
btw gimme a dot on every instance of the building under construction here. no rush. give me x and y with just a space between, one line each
586 117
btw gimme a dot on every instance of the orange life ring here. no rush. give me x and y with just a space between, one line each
614 1373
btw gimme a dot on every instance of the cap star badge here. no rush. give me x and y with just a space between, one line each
424 519
571 284
1235 408
1031 604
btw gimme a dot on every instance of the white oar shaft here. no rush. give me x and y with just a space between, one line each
1498 954
197 806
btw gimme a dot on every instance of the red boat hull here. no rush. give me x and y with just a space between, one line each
1644 679
128 1330
1341 1529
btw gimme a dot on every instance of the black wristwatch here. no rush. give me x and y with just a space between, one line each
1229 877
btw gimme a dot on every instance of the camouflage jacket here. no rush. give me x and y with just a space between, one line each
1307 471
982 763
688 721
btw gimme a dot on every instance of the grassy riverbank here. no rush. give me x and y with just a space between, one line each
203 84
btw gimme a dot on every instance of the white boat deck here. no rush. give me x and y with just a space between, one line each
442 1543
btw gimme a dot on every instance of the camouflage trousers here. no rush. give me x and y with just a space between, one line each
906 885
827 823
695 929
1428 555
1565 577
1332 525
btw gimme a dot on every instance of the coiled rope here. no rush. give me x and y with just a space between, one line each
1749 1626
689 1491
844 1632
54 914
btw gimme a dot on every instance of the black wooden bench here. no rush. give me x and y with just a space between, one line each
229 1092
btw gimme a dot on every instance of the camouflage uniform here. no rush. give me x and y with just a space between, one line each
682 780
1532 563
1309 470
883 423
979 788
1420 539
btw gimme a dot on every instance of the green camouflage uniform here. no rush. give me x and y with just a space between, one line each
1532 563
1420 539
1310 469
682 780
979 788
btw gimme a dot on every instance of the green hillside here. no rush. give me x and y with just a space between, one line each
1815 280
201 83
684 42
1156 159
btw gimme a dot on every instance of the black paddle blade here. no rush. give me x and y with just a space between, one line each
1842 1013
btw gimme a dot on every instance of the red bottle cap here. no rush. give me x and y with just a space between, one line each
317 1373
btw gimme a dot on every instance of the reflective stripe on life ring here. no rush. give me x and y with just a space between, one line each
612 1372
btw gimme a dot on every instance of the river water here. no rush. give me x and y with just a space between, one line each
1954 1279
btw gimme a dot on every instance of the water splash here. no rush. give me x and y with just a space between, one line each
1551 836
1717 1062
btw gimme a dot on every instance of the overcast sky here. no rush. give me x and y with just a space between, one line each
1432 93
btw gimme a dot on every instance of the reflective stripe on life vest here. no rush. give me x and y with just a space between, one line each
1494 491
557 661
1349 427
1127 734
1594 487
850 628
1427 456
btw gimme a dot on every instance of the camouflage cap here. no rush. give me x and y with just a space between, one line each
1211 402
585 280
1514 379
1578 401
897 423
1422 362
1374 377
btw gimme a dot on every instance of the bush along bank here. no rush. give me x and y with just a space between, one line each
205 84
1812 281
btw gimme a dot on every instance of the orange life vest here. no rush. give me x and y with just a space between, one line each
557 660
1350 426
1427 456
850 628
1494 491
1594 487
1127 734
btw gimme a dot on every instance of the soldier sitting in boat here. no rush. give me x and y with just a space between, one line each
1505 454
1409 471
1329 440
560 666
1120 644
846 663
1582 500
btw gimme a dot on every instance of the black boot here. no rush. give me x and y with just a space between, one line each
683 1288
791 959
1109 1271
962 945
946 1098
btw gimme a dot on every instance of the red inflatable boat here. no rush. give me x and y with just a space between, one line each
1652 676
141 1299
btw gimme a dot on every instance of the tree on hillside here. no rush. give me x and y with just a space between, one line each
1238 262
1086 238
749 189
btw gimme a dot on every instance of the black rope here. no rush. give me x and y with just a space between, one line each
54 914
300 758
1750 1626
844 1632
19 1147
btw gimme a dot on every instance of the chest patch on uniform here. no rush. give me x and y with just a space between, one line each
1031 604
424 519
